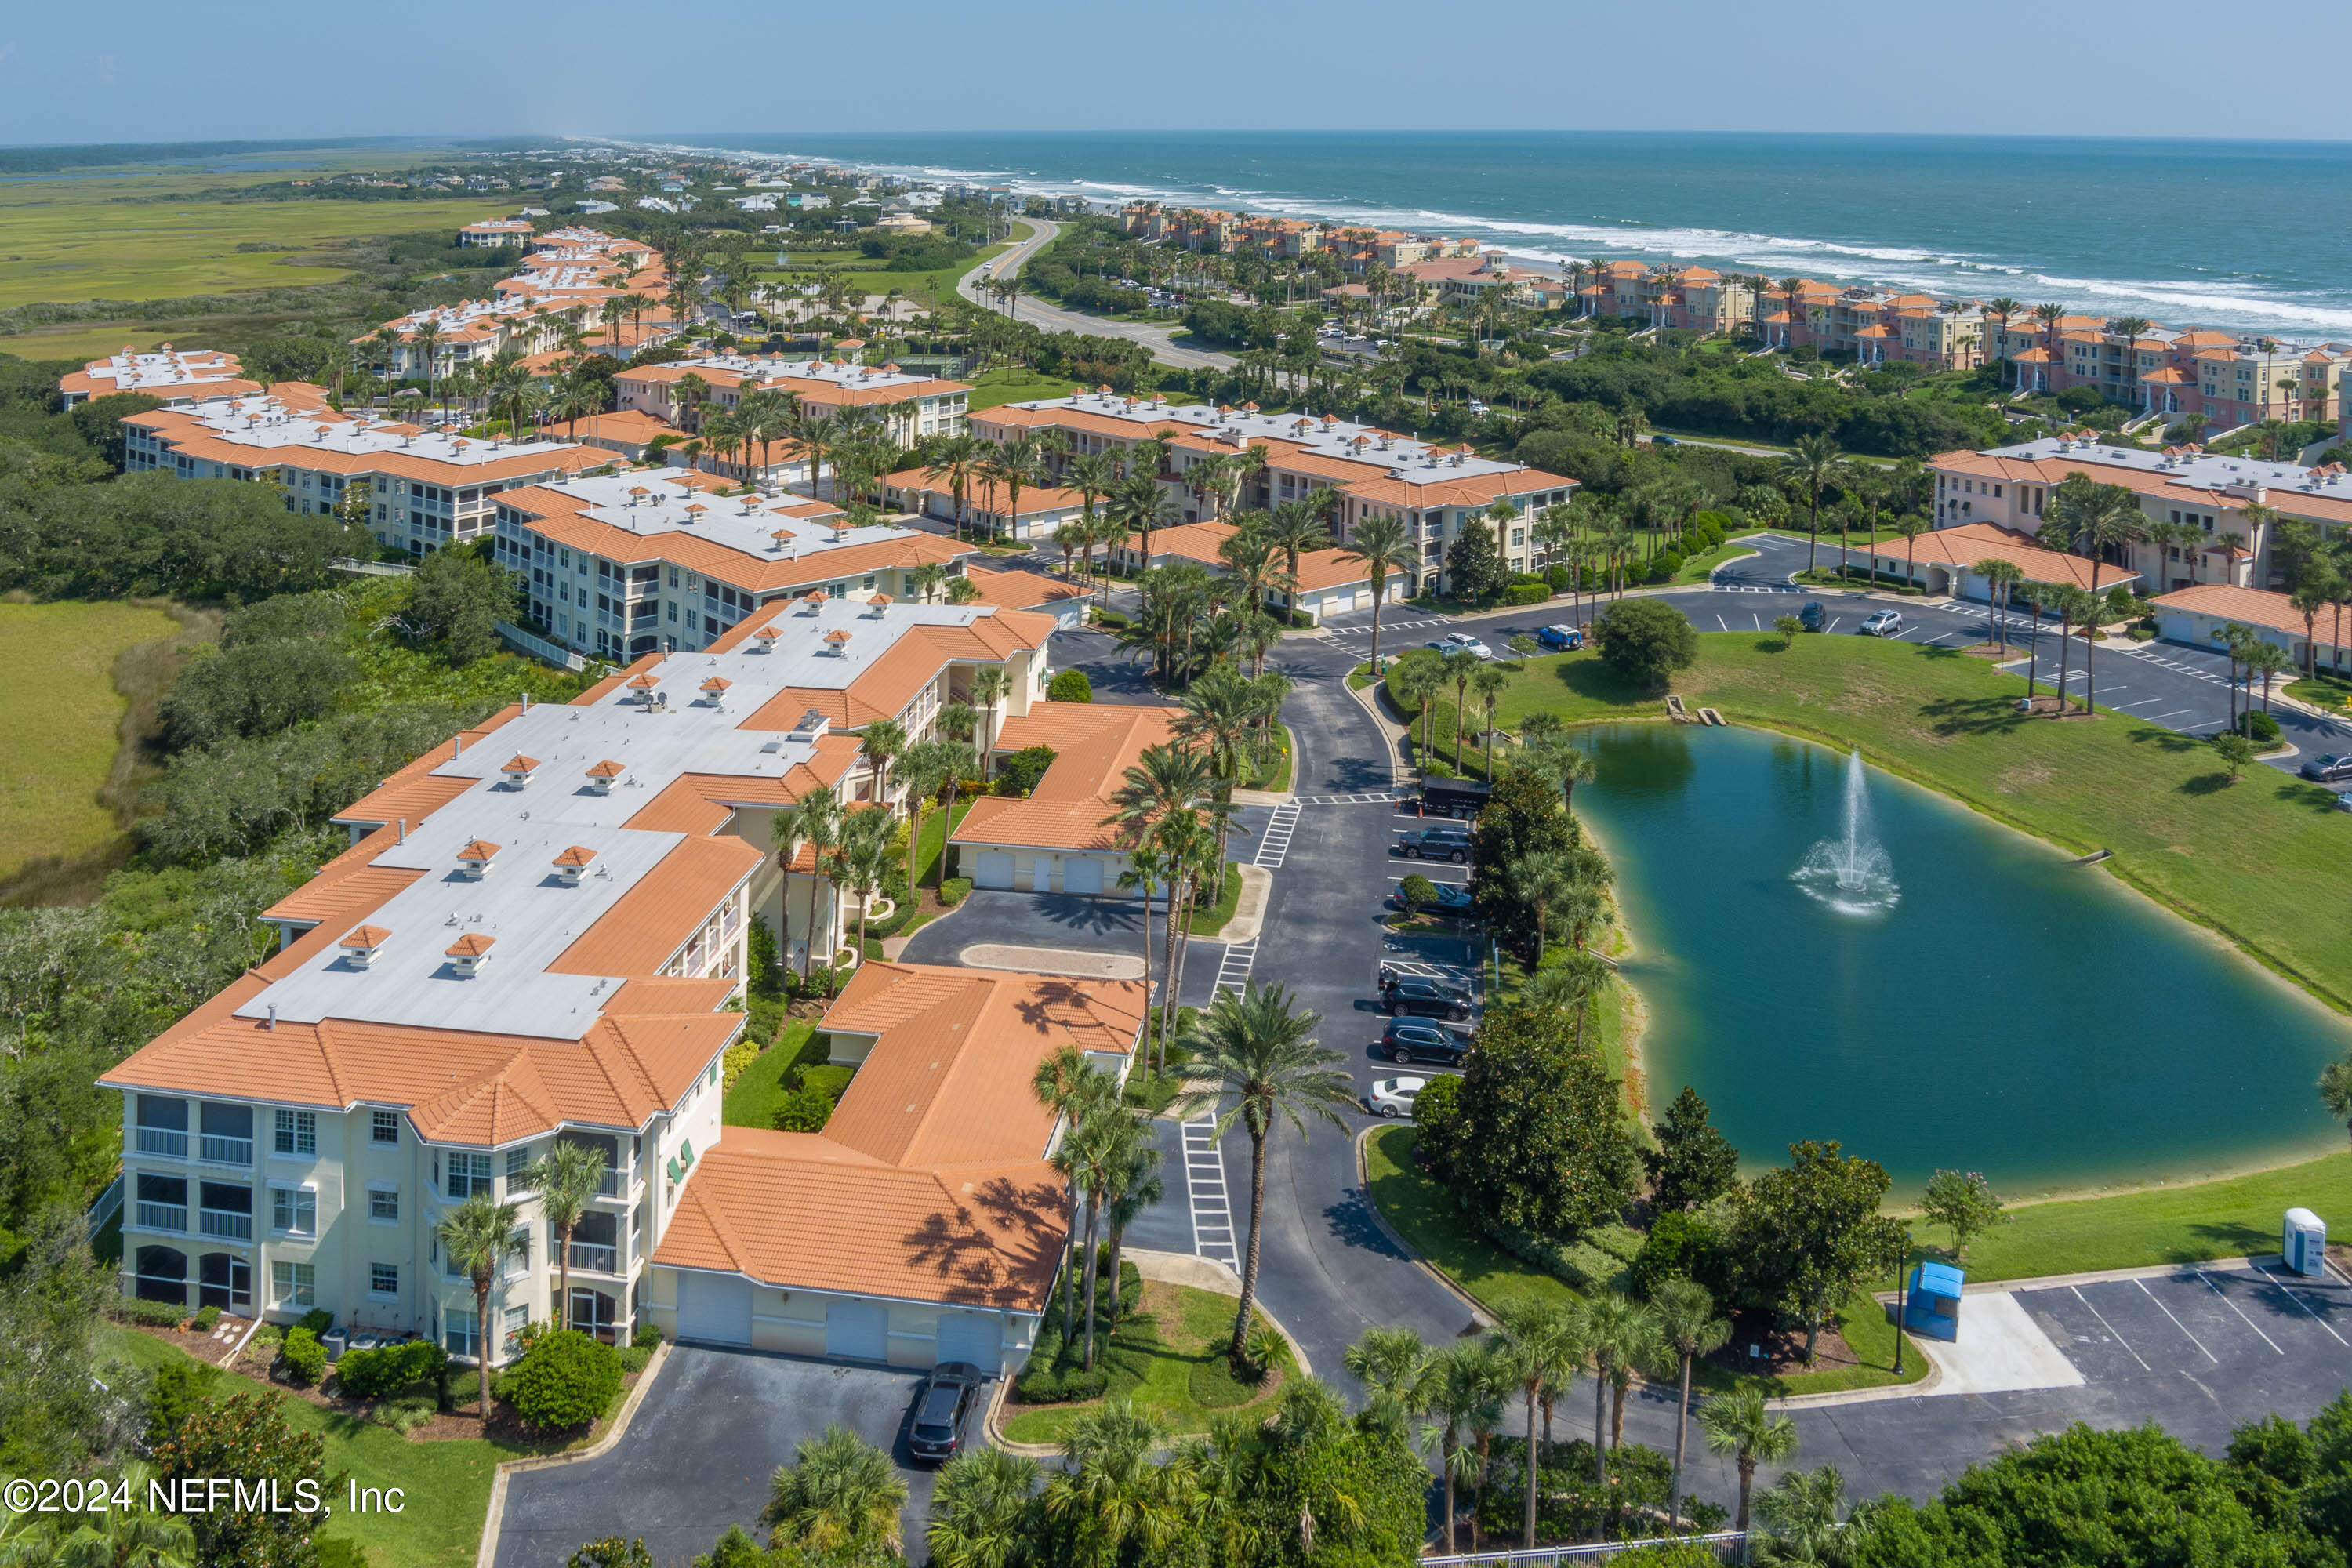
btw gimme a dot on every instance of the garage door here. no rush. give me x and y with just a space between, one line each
992 869
857 1331
972 1337
714 1308
1081 874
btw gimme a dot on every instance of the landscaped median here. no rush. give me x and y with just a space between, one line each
2250 859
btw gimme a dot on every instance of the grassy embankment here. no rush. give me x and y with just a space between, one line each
87 679
875 277
1169 1360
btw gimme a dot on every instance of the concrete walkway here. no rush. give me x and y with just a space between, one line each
1069 961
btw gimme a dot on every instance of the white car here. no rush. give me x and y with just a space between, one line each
1393 1097
1463 640
1881 624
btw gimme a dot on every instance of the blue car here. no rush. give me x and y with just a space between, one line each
1562 638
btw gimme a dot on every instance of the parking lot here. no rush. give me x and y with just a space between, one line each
2198 1320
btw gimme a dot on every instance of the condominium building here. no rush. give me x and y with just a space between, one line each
987 506
498 231
620 566
911 407
425 488
533 938
1059 838
2194 502
178 379
1435 489
1329 581
2230 379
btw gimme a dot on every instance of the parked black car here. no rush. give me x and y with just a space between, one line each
1415 995
1448 900
2333 767
1435 844
946 1398
1812 617
1408 1040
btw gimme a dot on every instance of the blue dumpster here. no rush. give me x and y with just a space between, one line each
1932 1310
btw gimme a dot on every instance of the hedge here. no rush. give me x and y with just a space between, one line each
954 891
1527 593
306 1358
373 1374
566 1381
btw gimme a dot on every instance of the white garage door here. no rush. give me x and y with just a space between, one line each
992 869
1081 874
857 1331
715 1307
972 1337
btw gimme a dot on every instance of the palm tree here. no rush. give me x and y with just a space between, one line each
1102 1148
1070 1086
862 860
2001 309
2000 576
840 1497
1128 1191
1813 461
882 743
988 689
955 460
1559 759
1490 684
923 771
1801 1514
1418 681
817 823
1621 1335
1386 549
2050 314
566 1178
1542 1344
1545 878
479 1235
1689 1328
1257 1049
1461 1393
1741 1426
111 1538
1111 1489
980 1509
1013 464
2037 597
1147 872
2314 594
1390 1364
1462 667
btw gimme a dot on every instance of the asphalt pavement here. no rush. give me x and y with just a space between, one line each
1153 335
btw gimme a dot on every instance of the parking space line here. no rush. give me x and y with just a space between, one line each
2141 703
1937 639
2299 1302
2175 713
1720 622
2235 1308
2111 1328
2176 1322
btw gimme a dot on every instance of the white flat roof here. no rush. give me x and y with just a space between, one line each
1402 457
264 424
746 524
2200 471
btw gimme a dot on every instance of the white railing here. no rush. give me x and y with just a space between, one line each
1725 1545
371 568
539 647
108 1203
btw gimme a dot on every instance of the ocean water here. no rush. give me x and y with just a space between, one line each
2243 236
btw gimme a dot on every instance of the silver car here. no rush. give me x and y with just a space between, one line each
1881 624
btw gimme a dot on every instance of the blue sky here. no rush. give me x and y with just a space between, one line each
142 70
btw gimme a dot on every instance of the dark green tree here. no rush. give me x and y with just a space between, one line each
1474 567
248 1437
1543 1145
1807 1234
1437 1127
1645 641
458 598
1522 817
99 420
1693 1162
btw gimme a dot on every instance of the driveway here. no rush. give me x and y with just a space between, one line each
1052 318
698 1456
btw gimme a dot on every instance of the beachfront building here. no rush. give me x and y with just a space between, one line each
498 231
619 565
909 407
2230 379
177 379
534 938
2195 502
432 343
424 488
1354 470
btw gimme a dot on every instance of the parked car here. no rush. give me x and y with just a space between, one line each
1393 1097
1812 617
1415 996
1881 624
1461 642
2329 767
1448 900
946 1398
1665 441
1435 844
1411 1040
1563 638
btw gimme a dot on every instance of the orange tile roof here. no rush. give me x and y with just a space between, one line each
1095 745
2254 606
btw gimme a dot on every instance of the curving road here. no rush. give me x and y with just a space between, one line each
1052 318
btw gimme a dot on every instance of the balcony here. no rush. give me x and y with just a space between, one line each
595 1258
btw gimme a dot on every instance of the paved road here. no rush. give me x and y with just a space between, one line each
1159 339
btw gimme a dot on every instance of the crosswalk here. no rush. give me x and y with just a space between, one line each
1274 842
1233 968
1376 797
1386 627
1205 1185
2178 667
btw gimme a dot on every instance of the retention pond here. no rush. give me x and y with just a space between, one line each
1968 998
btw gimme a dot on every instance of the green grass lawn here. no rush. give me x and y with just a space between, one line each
930 284
1700 567
2236 1217
1016 383
446 1483
62 657
1272 772
1210 921
1421 1212
753 1101
935 838
2324 689
2252 859
1176 1347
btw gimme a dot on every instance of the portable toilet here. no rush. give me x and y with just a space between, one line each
2304 1242
1932 1310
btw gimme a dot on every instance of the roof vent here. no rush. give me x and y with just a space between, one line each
643 685
810 726
571 863
715 689
601 777
518 770
468 953
837 640
476 857
766 638
361 945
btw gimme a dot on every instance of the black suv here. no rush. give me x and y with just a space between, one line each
1435 844
1812 617
1411 1041
1411 995
946 1398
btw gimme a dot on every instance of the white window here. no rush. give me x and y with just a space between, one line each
383 1278
511 1324
518 1167
519 1253
384 1206
384 1127
293 1285
294 1211
297 1134
469 1174
460 1334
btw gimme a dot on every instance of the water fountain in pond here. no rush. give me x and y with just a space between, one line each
1850 873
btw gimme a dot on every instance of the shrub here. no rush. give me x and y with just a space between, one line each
1664 566
317 1319
2259 727
181 1387
334 1551
1527 593
954 891
1018 774
305 1357
405 1414
1560 579
1646 640
647 1335
1417 890
634 1358
566 1381
1437 768
1679 1247
373 1375
1111 619
153 1314
739 1057
1070 685
828 1080
207 1320
1622 1242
